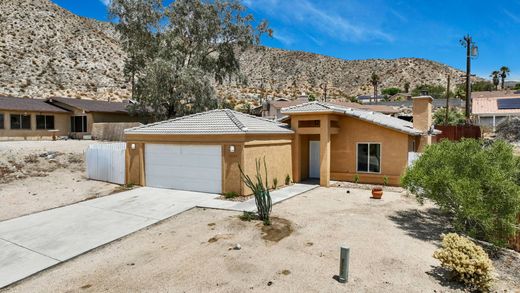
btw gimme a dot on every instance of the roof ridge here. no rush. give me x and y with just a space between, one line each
235 120
171 120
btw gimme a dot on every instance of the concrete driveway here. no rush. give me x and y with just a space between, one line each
35 242
32 243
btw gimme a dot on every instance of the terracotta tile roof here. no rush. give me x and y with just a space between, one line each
29 105
92 105
489 106
369 116
221 121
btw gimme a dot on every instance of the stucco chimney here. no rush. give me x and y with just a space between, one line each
422 118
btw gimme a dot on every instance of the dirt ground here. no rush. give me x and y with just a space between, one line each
39 175
392 241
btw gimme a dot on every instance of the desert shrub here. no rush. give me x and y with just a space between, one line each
275 183
260 189
230 194
385 180
391 91
467 262
248 216
476 183
31 159
287 179
356 178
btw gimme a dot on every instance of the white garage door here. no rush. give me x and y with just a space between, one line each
184 167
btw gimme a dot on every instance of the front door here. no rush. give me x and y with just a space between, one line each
314 159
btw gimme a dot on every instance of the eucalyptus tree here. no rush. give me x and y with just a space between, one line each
504 72
495 75
176 53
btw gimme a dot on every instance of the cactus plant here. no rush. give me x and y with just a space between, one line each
287 179
260 189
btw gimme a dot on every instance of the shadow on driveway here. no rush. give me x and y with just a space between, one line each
427 225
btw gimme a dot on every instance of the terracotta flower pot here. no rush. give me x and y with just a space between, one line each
377 192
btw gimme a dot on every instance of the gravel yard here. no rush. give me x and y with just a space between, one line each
39 175
392 241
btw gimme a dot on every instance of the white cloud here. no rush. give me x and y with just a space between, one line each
514 17
304 13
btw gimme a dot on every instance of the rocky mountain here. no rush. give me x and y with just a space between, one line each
46 50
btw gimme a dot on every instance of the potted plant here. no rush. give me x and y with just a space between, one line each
377 192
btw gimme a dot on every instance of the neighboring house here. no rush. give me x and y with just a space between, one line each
25 117
491 111
203 152
495 94
84 113
400 97
369 99
272 109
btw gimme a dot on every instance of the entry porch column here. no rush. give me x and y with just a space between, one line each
296 152
325 151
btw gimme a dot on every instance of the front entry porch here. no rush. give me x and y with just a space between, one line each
311 146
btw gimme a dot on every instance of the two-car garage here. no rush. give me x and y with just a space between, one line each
202 152
185 167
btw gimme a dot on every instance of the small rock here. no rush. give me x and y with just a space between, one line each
237 246
269 283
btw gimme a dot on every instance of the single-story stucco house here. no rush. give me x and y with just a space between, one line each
203 152
25 117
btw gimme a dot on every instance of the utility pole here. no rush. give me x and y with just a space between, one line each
324 87
447 100
471 51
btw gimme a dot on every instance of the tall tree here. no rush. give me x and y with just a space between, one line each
374 80
406 87
176 53
504 72
495 75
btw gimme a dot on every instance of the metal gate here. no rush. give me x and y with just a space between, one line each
106 162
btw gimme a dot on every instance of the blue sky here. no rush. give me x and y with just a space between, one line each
362 29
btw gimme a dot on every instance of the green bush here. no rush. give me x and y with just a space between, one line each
230 194
248 216
356 178
287 179
455 117
468 262
391 91
477 183
385 180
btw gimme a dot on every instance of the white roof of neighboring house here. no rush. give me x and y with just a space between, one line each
221 121
489 106
369 116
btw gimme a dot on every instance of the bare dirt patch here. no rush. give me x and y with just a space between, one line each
278 230
386 255
40 175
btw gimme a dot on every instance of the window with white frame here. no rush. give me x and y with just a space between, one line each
369 157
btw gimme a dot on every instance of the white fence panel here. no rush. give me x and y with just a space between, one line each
412 157
106 162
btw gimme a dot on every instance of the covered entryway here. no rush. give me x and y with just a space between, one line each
184 167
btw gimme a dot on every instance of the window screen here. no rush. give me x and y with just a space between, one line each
19 121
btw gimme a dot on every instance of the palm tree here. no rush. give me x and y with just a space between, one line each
374 80
504 72
496 78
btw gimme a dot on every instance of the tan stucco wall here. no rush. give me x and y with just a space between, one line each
394 151
276 149
278 159
61 123
344 136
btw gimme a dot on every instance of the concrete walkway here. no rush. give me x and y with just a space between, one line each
250 205
32 243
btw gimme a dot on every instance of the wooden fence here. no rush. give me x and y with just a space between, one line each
456 133
106 162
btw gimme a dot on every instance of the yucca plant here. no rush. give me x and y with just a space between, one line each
260 188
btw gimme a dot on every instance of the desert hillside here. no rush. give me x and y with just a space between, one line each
46 50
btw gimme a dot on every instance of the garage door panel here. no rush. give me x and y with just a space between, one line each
185 167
